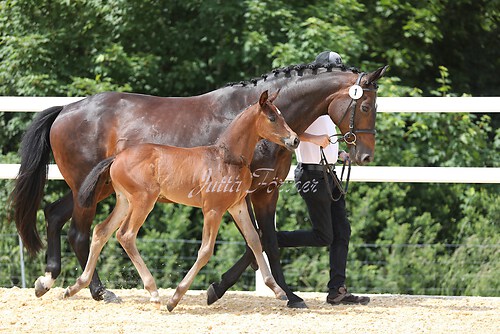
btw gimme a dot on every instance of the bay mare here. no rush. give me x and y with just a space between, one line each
143 173
82 134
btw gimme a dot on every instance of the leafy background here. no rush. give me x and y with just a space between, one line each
407 238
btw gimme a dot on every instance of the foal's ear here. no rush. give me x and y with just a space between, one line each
263 98
274 96
377 74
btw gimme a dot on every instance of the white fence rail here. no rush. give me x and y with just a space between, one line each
385 104
359 173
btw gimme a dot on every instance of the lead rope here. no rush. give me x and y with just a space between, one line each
328 169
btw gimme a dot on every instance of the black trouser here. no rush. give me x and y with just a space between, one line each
330 226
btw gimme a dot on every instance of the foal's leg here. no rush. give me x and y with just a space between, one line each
211 224
242 219
102 233
140 207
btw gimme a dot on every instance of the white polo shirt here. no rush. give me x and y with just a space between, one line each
309 153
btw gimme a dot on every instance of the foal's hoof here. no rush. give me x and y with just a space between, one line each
40 288
281 296
155 300
297 304
110 297
211 294
157 304
67 293
170 307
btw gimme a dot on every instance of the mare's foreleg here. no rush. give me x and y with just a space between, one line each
211 223
56 215
242 219
265 211
102 233
216 290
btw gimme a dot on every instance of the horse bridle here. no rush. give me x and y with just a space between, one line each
349 138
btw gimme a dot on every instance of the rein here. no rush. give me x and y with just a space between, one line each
330 169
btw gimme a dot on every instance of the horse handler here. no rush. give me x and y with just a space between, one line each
327 211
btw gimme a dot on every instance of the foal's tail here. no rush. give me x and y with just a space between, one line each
28 189
86 195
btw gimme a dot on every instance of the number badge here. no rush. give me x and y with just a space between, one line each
355 92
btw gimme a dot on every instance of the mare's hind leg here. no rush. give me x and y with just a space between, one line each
56 214
127 235
242 218
79 238
102 233
211 224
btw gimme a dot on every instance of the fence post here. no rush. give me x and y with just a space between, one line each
21 259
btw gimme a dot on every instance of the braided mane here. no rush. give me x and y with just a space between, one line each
299 69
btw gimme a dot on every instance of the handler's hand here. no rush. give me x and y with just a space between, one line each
321 140
344 156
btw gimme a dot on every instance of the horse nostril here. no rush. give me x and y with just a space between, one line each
366 158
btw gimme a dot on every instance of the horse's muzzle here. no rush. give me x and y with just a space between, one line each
366 158
292 142
362 158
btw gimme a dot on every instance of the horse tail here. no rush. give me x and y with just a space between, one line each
29 184
86 195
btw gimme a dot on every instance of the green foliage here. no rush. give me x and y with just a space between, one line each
407 238
417 37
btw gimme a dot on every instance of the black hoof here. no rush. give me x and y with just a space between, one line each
98 295
211 294
296 304
110 297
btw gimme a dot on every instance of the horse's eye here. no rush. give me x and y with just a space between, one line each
365 108
272 118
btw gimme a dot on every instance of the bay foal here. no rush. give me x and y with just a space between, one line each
215 178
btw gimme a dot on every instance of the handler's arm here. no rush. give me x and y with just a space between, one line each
320 140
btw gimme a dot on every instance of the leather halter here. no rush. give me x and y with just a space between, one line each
350 136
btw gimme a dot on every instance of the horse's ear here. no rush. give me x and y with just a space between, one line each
263 98
274 96
375 75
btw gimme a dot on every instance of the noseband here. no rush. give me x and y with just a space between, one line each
350 136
